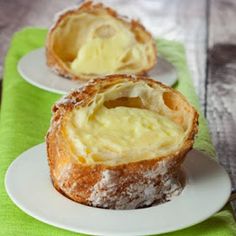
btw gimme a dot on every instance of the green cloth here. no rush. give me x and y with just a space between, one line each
24 120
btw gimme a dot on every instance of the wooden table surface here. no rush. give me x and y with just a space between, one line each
207 29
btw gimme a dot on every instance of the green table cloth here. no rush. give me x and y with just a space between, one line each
24 120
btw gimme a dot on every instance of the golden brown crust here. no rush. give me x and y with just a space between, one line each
58 66
82 182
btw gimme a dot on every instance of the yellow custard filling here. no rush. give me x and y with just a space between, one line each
127 122
124 130
116 134
106 46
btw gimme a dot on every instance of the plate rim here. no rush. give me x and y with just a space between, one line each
32 82
92 231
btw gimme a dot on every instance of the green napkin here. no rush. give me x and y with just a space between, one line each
24 120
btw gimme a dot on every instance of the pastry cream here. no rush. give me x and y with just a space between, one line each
107 46
121 133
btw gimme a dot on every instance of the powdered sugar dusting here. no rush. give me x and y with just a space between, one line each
149 187
55 69
66 100
64 174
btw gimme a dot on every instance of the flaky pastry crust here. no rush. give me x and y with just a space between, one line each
60 66
123 186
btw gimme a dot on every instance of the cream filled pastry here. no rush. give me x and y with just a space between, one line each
93 40
119 142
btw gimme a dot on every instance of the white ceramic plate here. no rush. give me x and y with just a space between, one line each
34 70
29 186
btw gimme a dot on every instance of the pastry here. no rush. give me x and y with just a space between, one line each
93 40
119 142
